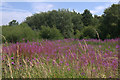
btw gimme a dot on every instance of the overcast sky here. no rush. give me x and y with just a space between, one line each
20 10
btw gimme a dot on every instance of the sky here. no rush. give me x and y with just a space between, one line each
20 10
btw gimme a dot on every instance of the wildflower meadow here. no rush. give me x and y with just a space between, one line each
68 58
60 39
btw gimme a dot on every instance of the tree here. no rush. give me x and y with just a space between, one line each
89 32
50 33
87 17
96 21
13 23
62 19
52 18
110 26
78 35
77 22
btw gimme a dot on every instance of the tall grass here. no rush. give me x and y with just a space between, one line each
66 58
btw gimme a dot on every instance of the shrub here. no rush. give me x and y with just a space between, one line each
17 33
78 35
89 32
50 33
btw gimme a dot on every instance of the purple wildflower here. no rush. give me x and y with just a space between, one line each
12 58
67 64
61 61
117 46
34 59
82 73
98 68
93 70
42 63
109 76
23 39
53 62
68 69
99 46
20 65
37 62
12 63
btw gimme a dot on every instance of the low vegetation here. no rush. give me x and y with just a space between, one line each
66 58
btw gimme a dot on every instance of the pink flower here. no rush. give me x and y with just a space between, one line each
99 46
61 61
68 69
109 76
23 39
82 73
12 58
12 63
117 46
93 70
67 64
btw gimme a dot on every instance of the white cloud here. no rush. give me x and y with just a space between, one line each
8 13
100 9
41 7
97 9
7 16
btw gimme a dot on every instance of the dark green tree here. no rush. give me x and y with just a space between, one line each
13 23
87 17
50 33
64 23
96 21
53 16
62 19
77 22
110 25
89 32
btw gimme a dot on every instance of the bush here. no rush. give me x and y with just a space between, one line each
50 33
78 35
89 32
17 33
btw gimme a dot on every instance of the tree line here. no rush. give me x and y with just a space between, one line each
62 23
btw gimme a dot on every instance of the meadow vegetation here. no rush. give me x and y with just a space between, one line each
62 44
68 58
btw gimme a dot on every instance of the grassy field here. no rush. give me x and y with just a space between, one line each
68 58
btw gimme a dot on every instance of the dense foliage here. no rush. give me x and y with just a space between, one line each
69 22
110 25
89 32
87 17
62 23
18 33
13 23
50 33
